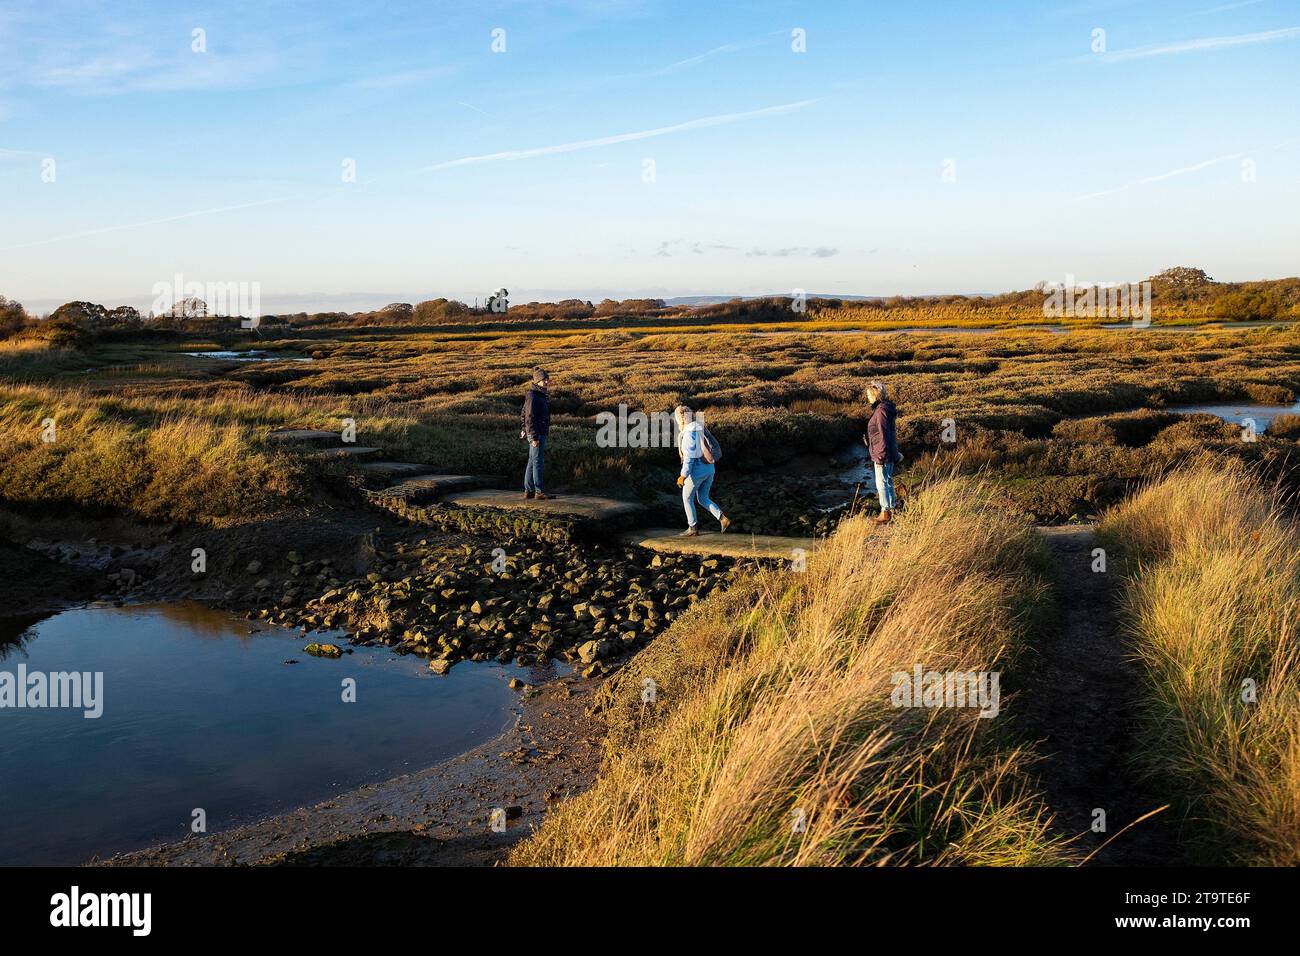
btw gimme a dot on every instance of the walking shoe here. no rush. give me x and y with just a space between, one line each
884 517
690 532
528 494
725 522
542 496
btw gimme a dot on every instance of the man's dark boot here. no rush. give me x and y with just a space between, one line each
528 494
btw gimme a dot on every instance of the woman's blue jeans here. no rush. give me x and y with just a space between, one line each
699 479
885 485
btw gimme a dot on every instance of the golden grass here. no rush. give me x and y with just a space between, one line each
452 399
139 457
1213 601
774 701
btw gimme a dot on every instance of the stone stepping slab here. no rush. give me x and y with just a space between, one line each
395 469
734 544
416 491
587 507
303 436
344 452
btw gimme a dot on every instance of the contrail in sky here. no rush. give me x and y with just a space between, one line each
1157 178
702 123
707 121
147 222
1195 46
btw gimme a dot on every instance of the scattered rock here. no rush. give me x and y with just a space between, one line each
594 650
324 650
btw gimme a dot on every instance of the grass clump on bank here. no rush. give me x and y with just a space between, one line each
1212 598
73 449
773 705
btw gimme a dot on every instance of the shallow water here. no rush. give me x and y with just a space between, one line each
1261 415
250 355
198 713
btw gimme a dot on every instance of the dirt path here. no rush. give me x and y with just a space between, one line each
1080 702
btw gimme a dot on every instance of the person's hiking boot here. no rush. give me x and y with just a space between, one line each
528 495
542 496
884 517
725 522
691 532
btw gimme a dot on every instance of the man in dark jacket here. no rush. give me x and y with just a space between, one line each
883 446
536 422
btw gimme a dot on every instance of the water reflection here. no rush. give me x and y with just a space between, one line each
1261 415
197 712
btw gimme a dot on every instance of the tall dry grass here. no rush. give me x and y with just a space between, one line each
1212 598
773 700
138 457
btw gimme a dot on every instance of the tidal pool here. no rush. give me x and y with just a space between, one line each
1261 415
250 355
197 713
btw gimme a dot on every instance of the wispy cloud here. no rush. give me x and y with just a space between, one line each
389 81
148 222
1181 171
700 58
814 252
1199 45
1225 6
670 247
142 70
1195 167
702 123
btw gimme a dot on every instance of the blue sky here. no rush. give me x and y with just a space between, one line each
773 170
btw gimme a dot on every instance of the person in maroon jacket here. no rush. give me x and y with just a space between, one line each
883 446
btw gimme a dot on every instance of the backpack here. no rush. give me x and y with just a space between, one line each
709 447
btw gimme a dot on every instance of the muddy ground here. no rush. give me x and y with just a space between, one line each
1081 708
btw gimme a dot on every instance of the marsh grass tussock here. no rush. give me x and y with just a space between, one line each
1212 601
774 707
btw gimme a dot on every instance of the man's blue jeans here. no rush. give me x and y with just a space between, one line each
885 485
536 465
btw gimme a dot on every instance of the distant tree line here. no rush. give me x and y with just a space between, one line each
1181 290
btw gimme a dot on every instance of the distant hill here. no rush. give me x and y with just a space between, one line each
693 300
